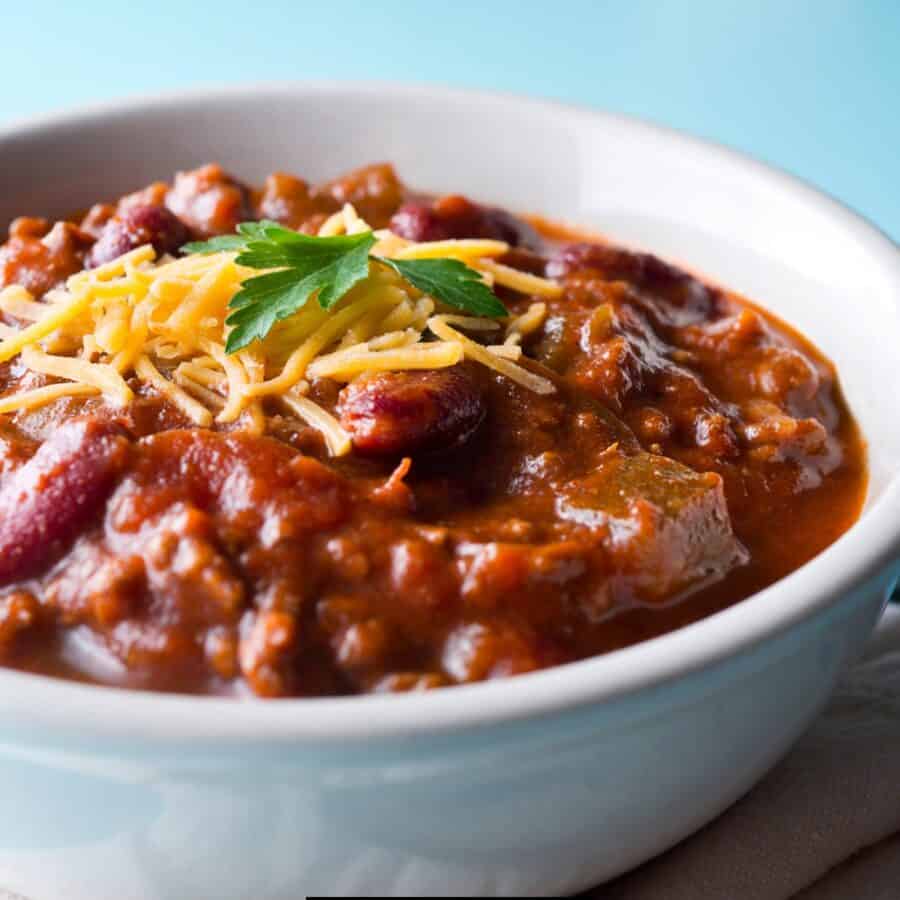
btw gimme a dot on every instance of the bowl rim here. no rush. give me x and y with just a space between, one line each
866 550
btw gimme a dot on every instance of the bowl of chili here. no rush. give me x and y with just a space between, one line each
374 528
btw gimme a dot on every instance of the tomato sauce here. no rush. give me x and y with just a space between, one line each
695 450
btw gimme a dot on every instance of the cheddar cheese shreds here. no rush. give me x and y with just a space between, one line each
162 323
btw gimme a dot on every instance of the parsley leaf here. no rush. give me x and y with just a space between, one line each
266 230
224 243
450 281
302 265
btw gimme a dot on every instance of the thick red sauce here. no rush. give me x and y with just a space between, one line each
695 450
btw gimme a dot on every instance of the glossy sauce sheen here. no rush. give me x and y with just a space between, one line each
695 450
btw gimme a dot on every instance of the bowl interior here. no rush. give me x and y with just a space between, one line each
741 224
758 231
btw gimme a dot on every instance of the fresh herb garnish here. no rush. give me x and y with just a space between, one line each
304 265
450 281
327 267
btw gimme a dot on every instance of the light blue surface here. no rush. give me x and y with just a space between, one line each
810 85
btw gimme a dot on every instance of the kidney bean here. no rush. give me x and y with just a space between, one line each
419 222
613 262
687 299
616 263
411 412
454 216
137 226
51 498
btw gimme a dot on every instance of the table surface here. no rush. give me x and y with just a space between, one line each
809 85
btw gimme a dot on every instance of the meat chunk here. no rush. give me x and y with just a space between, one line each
209 201
409 682
152 195
475 651
96 218
245 478
454 216
19 612
266 653
49 500
411 412
375 191
40 259
666 526
288 200
137 226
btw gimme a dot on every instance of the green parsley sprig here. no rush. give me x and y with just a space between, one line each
302 265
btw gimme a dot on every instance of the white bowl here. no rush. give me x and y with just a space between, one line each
541 784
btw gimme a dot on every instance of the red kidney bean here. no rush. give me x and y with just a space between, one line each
137 226
419 222
688 299
411 412
454 216
613 262
57 493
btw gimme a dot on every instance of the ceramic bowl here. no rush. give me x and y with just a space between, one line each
542 784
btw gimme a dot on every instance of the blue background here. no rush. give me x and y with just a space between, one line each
810 85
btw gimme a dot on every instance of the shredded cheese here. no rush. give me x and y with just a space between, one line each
345 365
516 280
462 249
529 322
507 351
334 225
441 326
236 376
209 295
98 375
17 302
255 370
202 393
44 395
162 322
53 319
336 438
201 373
194 410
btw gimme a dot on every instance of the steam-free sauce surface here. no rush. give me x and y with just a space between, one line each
693 451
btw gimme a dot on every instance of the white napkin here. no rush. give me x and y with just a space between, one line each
823 825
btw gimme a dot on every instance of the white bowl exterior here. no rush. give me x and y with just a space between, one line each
549 782
544 807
